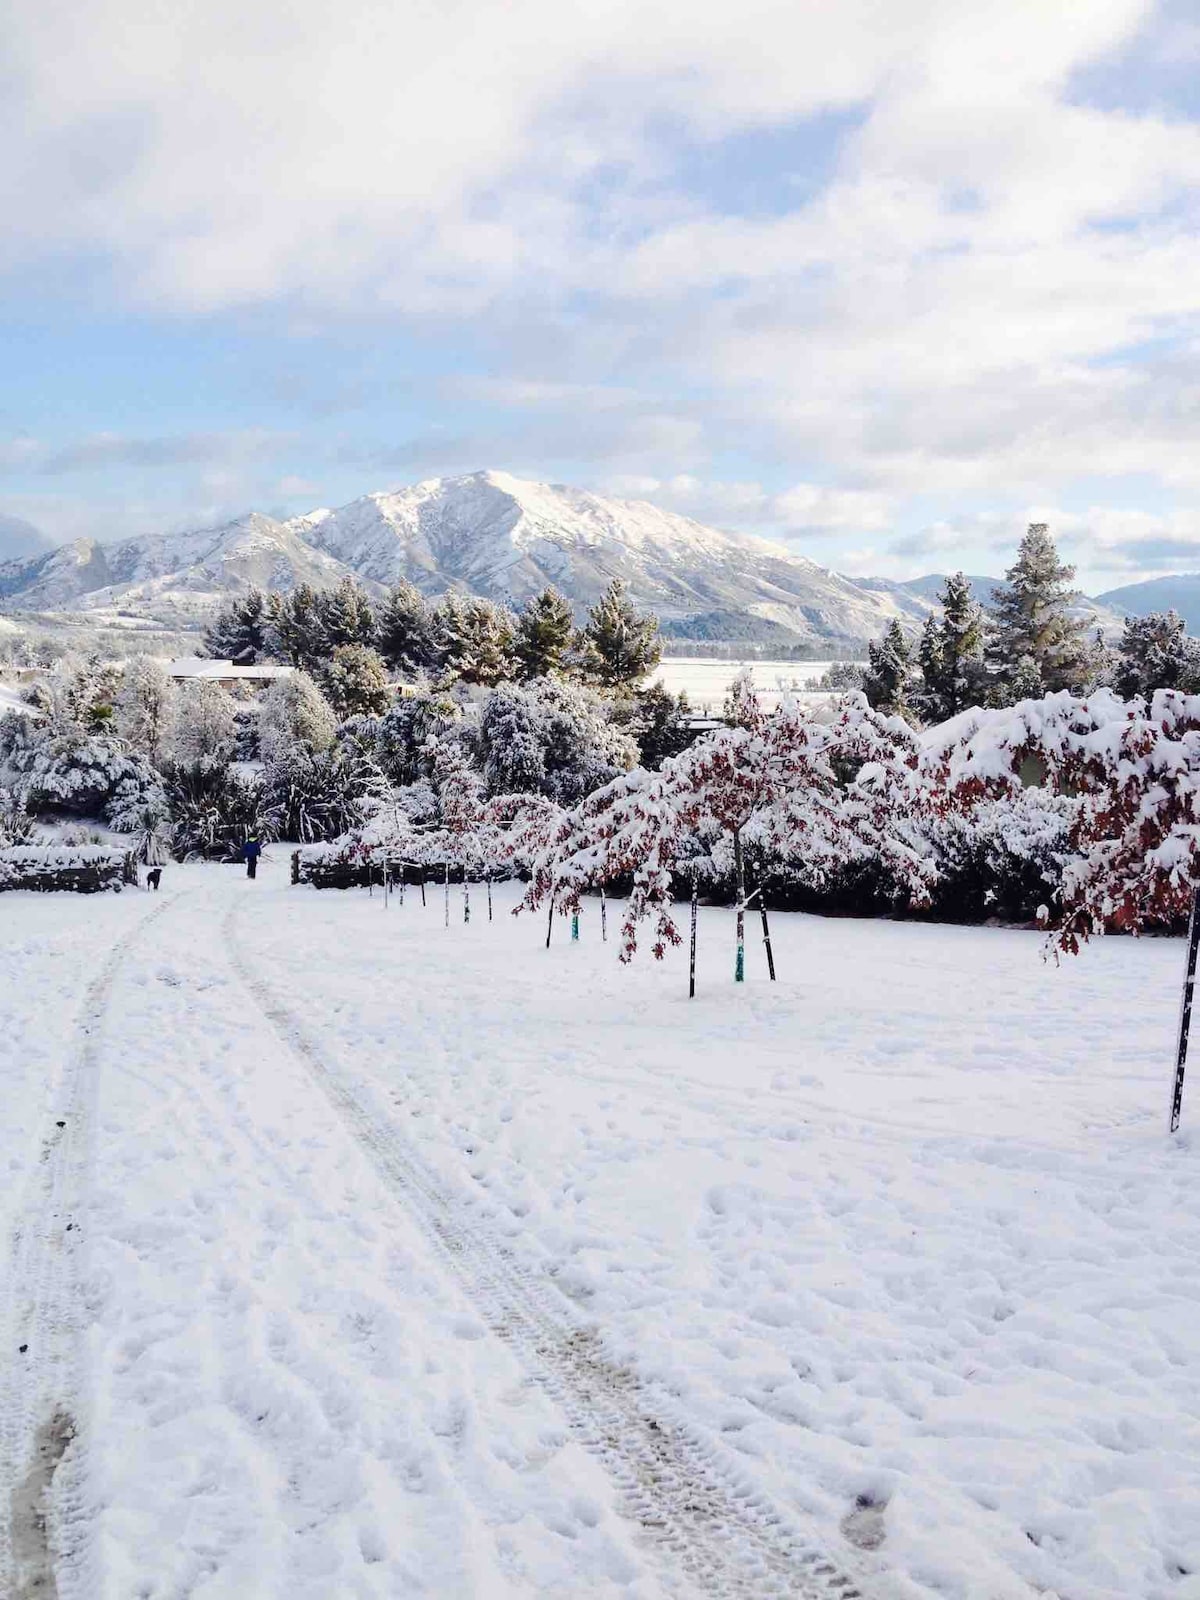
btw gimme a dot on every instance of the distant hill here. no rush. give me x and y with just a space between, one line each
19 540
1179 592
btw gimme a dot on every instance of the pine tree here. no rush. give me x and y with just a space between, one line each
404 630
620 644
1032 621
1156 653
888 677
346 615
950 654
295 630
238 631
545 629
356 682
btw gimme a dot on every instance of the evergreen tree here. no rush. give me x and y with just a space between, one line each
544 633
950 654
295 630
404 630
658 720
356 682
346 615
620 644
1032 621
474 638
888 677
238 631
1156 653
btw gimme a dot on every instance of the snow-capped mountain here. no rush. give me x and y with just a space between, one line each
491 534
169 576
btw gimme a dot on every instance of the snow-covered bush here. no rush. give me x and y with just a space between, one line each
1004 856
79 774
311 795
146 706
213 808
552 738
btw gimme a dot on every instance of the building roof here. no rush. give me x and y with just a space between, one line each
203 667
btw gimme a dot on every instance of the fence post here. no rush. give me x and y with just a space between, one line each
692 955
1185 1010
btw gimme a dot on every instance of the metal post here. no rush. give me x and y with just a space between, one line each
575 927
489 884
447 894
549 924
603 917
1185 1010
422 885
692 957
466 897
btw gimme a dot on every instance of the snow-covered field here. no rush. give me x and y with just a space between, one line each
706 682
376 1258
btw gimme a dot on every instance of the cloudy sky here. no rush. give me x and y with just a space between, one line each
885 279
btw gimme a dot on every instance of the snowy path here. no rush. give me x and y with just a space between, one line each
423 1261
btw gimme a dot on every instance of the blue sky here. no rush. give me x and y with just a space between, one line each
883 283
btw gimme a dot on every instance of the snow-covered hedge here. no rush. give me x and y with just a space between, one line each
80 868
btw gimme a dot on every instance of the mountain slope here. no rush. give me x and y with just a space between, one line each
169 576
507 538
1178 592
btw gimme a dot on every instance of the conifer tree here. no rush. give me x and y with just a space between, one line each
238 631
950 654
1156 653
620 644
888 677
544 632
295 628
346 615
1036 642
356 682
404 630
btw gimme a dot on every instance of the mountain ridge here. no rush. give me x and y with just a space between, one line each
487 533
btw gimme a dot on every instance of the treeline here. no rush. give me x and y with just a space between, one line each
1030 642
354 647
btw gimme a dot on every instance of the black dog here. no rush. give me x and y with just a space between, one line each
153 877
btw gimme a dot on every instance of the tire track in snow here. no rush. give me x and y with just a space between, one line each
38 1387
723 1535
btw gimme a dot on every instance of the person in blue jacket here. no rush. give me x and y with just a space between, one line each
251 851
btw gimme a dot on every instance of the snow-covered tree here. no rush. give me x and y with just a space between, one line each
294 711
888 680
205 723
474 638
356 681
1035 629
950 654
312 794
146 706
238 631
346 615
544 632
404 631
295 629
620 645
1156 653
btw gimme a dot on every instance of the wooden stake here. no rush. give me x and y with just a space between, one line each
762 907
692 957
574 927
739 966
549 924
489 887
603 917
1185 1011
447 894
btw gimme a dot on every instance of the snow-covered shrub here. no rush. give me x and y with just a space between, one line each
311 795
16 824
399 741
78 774
1004 857
552 738
213 808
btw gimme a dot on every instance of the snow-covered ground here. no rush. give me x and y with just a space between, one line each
413 1260
706 682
